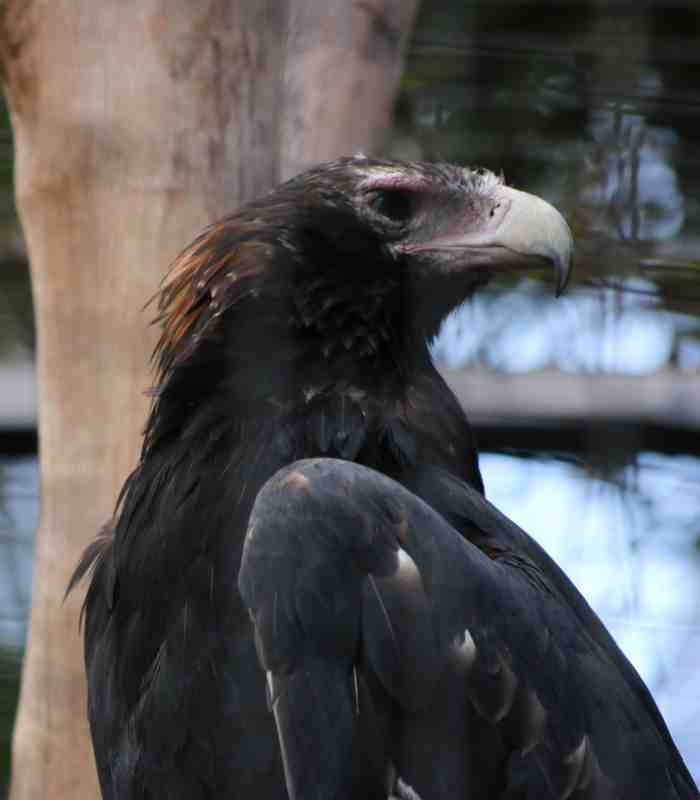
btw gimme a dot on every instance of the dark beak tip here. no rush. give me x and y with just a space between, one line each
560 288
563 274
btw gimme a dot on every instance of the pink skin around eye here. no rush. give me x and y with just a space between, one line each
481 236
391 181
477 232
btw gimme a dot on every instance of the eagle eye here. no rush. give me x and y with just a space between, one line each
394 204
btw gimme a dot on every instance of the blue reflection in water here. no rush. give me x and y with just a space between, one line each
630 547
606 330
19 516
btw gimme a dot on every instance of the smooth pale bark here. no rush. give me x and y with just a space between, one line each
137 122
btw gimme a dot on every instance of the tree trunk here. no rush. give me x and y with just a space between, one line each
135 124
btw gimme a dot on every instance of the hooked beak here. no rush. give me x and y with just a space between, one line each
532 227
514 230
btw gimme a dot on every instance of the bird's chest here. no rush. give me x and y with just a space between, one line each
390 434
345 425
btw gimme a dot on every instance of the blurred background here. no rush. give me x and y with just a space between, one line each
587 407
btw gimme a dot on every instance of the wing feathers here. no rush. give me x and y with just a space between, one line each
492 689
398 594
398 636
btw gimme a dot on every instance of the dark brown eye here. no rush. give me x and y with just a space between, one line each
396 204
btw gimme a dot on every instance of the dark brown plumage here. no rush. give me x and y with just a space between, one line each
411 638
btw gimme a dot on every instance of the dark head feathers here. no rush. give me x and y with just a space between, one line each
219 267
403 234
204 280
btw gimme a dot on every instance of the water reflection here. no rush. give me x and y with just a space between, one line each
606 330
631 190
19 514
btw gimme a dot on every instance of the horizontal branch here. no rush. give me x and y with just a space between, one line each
668 397
546 411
